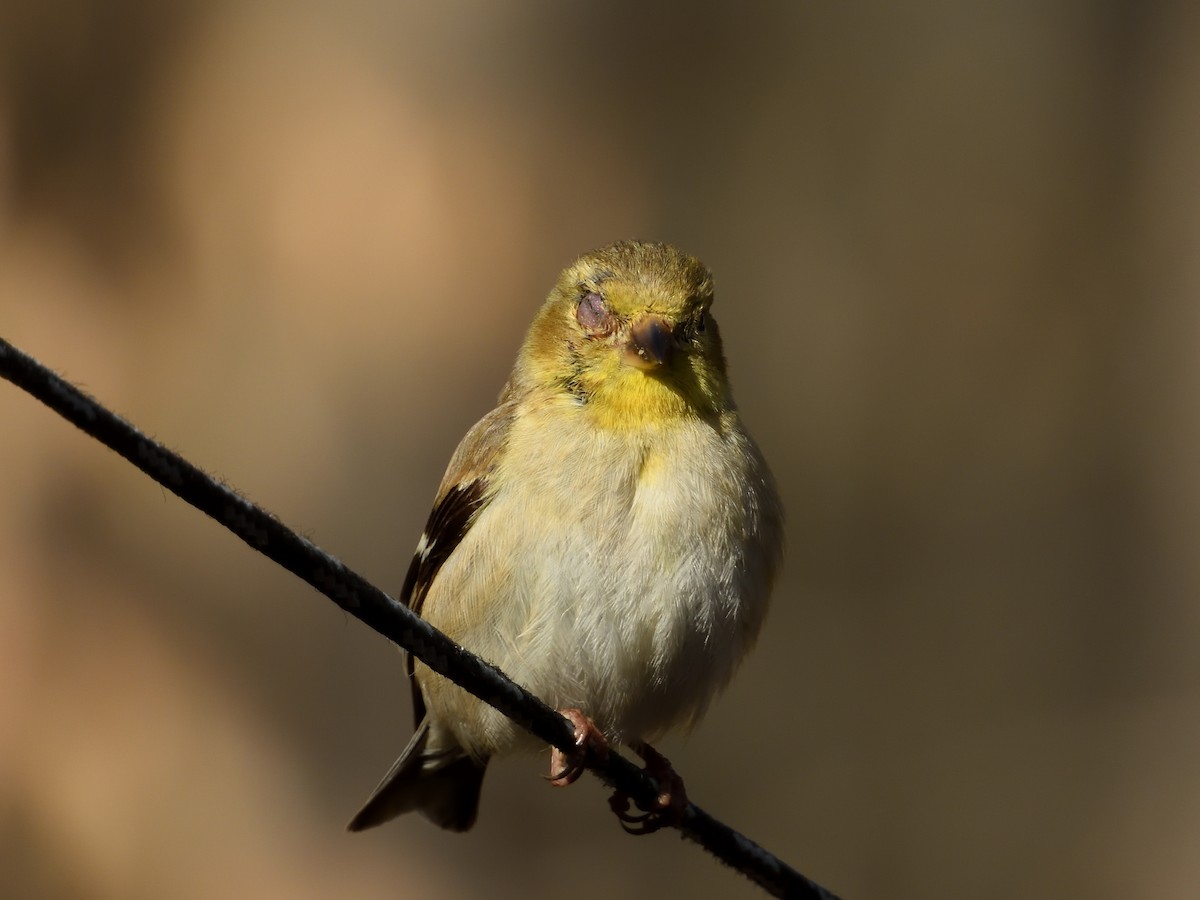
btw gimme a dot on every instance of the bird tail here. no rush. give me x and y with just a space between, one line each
442 783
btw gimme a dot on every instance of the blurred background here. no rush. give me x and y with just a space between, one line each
957 252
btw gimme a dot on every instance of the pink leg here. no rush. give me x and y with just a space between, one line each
669 806
590 743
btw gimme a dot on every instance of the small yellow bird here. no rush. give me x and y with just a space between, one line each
607 535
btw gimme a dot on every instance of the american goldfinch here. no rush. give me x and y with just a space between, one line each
607 535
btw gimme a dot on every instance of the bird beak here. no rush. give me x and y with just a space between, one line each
650 343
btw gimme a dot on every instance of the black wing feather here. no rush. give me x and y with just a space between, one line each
463 493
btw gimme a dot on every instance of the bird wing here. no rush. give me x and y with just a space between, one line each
462 494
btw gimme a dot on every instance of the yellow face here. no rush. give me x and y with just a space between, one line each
627 332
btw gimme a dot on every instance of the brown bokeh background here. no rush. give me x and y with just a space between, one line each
957 253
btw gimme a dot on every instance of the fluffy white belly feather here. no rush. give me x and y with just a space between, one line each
650 587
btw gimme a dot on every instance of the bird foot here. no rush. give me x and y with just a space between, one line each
590 745
670 804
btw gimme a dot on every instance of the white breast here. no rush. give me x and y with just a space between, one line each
626 577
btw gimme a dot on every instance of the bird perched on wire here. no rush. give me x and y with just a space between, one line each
607 535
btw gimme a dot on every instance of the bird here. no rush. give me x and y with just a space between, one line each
607 536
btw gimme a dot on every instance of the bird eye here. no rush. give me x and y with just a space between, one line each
593 315
701 322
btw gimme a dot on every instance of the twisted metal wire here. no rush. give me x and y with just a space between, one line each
382 614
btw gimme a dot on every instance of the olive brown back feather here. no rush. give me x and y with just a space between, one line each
442 782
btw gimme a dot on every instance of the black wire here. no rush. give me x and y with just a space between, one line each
381 613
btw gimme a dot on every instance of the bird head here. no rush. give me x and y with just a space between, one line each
628 331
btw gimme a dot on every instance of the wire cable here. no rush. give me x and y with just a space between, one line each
379 612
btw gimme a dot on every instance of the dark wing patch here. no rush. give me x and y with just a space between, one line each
448 524
463 493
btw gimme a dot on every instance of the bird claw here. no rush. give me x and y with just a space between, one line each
590 746
642 823
669 806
